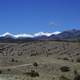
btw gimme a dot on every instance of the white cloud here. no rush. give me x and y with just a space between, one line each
53 24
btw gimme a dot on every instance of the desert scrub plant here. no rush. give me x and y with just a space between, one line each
72 60
35 64
13 60
0 72
63 78
53 78
78 60
8 69
32 73
65 58
65 69
76 75
20 54
35 54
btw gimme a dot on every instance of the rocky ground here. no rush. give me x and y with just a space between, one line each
40 60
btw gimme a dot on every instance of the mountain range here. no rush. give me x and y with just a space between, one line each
69 35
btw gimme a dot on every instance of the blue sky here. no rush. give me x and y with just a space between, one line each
30 16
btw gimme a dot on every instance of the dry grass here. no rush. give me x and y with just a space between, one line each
18 58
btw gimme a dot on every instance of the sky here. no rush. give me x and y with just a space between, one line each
31 16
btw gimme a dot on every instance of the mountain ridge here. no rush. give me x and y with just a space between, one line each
25 35
68 35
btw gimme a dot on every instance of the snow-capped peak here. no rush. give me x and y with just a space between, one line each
7 34
46 33
57 32
30 35
23 35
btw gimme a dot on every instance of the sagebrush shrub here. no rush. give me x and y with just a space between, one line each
65 69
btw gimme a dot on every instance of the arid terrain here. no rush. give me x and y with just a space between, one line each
40 60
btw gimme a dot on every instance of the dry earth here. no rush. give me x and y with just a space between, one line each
40 60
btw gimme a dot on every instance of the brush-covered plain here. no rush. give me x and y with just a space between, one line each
40 60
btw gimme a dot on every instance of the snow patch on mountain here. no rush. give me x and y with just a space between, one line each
6 34
23 35
30 35
46 33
